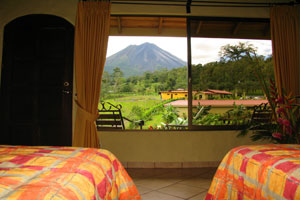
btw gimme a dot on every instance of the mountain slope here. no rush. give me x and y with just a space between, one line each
137 59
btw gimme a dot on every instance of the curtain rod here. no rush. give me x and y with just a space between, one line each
192 5
200 3
195 17
204 3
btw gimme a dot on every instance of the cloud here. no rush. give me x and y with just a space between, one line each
207 50
204 50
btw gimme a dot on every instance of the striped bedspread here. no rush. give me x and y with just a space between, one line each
258 172
29 173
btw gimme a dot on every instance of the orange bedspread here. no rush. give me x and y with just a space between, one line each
62 173
258 172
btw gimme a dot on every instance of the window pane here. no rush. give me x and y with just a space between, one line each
146 76
225 87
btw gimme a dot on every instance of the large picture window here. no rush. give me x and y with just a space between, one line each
145 80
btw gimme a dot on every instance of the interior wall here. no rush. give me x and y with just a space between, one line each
171 146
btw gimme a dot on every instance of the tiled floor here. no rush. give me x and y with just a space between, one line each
172 184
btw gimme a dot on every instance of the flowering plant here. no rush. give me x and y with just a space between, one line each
286 115
285 124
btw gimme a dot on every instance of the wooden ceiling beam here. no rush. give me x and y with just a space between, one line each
160 24
199 27
236 28
119 25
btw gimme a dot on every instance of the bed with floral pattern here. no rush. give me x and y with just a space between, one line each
32 172
258 172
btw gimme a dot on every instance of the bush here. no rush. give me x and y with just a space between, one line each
170 115
157 109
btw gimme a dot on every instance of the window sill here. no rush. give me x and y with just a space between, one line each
185 128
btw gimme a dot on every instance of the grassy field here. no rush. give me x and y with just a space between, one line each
145 102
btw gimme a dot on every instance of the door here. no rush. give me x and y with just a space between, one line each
36 82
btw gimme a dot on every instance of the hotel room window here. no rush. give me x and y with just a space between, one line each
149 95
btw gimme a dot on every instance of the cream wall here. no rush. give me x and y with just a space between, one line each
171 146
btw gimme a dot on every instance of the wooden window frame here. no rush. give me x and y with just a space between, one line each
190 126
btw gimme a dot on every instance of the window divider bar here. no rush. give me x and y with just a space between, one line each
189 74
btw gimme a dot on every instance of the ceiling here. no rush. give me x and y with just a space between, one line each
247 19
231 28
200 27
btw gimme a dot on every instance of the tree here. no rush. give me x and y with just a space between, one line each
105 85
117 79
236 52
171 82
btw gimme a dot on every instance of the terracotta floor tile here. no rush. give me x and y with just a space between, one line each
197 182
172 184
200 196
142 189
180 190
156 184
158 196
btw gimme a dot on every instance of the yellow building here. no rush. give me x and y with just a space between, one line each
175 94
205 95
213 94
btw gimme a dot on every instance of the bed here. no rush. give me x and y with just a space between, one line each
258 172
31 172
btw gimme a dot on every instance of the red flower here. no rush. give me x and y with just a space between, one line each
150 128
279 100
277 135
273 86
286 122
291 101
280 110
280 121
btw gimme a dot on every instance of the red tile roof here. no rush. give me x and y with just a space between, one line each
218 91
207 92
220 103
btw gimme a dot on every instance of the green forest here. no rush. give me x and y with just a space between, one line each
234 72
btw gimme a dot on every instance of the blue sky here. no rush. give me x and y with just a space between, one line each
204 50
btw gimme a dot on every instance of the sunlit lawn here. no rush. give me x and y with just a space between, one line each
143 101
156 121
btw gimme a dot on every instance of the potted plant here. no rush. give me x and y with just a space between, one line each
285 123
